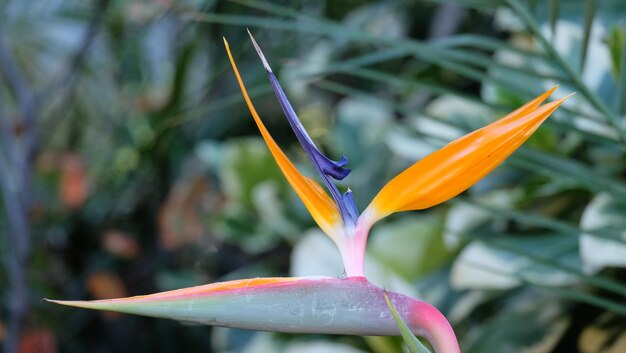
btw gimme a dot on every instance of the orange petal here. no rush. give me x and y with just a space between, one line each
320 205
528 107
453 169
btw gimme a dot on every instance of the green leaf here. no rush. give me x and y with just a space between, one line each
616 39
621 98
457 61
604 213
517 261
414 345
430 53
551 165
248 163
520 325
487 43
532 5
494 269
554 16
575 77
383 344
590 11
400 248
477 4
415 84
190 114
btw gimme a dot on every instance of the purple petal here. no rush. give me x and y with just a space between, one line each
348 201
324 166
332 168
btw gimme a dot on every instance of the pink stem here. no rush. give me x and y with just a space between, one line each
430 323
352 247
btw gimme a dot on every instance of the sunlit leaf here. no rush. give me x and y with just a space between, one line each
602 336
604 214
495 265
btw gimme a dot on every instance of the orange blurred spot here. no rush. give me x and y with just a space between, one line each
120 244
180 217
74 185
154 100
37 340
106 285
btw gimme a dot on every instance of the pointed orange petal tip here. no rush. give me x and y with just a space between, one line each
453 169
322 208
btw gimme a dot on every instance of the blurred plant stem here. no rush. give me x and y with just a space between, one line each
446 21
19 145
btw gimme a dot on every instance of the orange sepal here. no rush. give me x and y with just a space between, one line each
453 169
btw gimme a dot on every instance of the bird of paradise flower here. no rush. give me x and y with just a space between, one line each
351 304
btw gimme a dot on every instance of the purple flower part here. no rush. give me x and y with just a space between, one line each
323 165
327 166
348 201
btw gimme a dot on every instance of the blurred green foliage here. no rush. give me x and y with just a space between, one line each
149 174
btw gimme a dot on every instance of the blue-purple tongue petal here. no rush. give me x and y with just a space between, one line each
348 201
332 168
324 166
